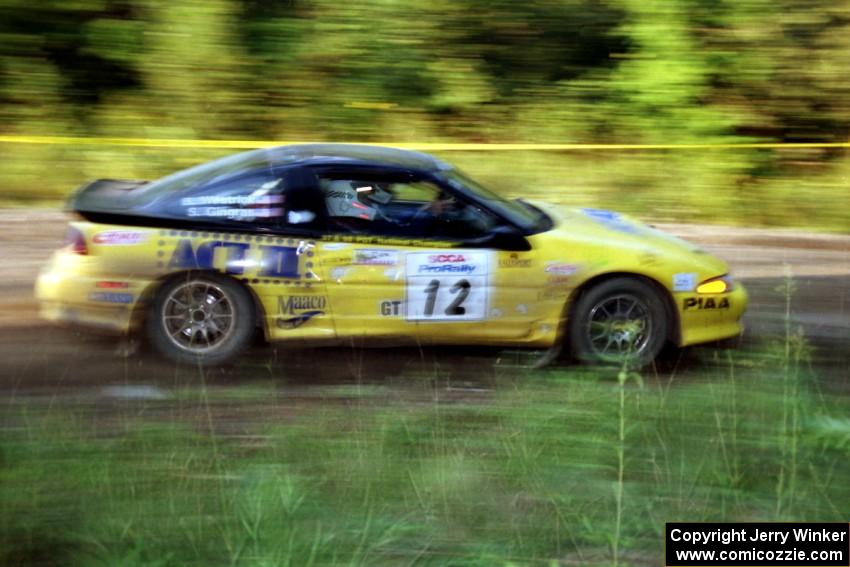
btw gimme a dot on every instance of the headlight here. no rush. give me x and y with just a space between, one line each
720 284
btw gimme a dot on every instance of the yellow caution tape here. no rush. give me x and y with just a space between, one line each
435 146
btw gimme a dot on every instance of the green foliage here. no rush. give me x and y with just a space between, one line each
618 71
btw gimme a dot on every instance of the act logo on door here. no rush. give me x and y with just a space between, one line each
447 286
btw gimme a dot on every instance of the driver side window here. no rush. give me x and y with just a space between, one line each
402 208
416 191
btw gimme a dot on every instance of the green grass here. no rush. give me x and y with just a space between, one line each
568 466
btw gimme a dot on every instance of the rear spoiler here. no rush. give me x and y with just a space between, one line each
103 196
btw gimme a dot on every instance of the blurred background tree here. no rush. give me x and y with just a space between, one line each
573 71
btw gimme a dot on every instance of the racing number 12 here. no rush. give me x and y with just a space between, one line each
461 288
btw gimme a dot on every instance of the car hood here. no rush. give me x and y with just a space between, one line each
616 231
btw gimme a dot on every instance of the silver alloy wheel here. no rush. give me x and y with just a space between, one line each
198 316
619 327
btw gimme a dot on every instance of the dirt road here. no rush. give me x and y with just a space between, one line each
34 356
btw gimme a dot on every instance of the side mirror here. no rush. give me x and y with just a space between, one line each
505 237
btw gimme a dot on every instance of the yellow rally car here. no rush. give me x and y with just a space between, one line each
363 245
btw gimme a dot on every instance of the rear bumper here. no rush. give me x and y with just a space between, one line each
711 317
66 296
86 316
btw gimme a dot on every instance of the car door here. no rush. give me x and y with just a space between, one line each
396 267
297 306
261 230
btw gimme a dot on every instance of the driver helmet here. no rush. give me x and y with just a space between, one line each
356 199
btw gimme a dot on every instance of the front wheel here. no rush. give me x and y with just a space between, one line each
201 319
621 321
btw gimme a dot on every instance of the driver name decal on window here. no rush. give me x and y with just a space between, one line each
234 206
447 285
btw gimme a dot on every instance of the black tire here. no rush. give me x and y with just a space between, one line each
619 321
201 318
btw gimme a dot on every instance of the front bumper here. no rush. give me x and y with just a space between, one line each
710 317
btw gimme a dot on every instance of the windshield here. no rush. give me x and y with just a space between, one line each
530 219
200 175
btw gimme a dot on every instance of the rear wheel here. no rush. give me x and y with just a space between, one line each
201 319
620 321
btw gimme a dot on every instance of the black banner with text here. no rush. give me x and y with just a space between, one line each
758 544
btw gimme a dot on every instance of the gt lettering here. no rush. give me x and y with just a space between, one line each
391 308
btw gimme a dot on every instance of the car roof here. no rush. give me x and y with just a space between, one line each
353 154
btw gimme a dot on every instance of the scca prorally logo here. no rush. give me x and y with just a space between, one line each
446 269
446 258
446 264
701 303
119 238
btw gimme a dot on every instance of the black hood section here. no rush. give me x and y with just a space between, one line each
104 196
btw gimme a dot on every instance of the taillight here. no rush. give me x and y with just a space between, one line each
75 242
